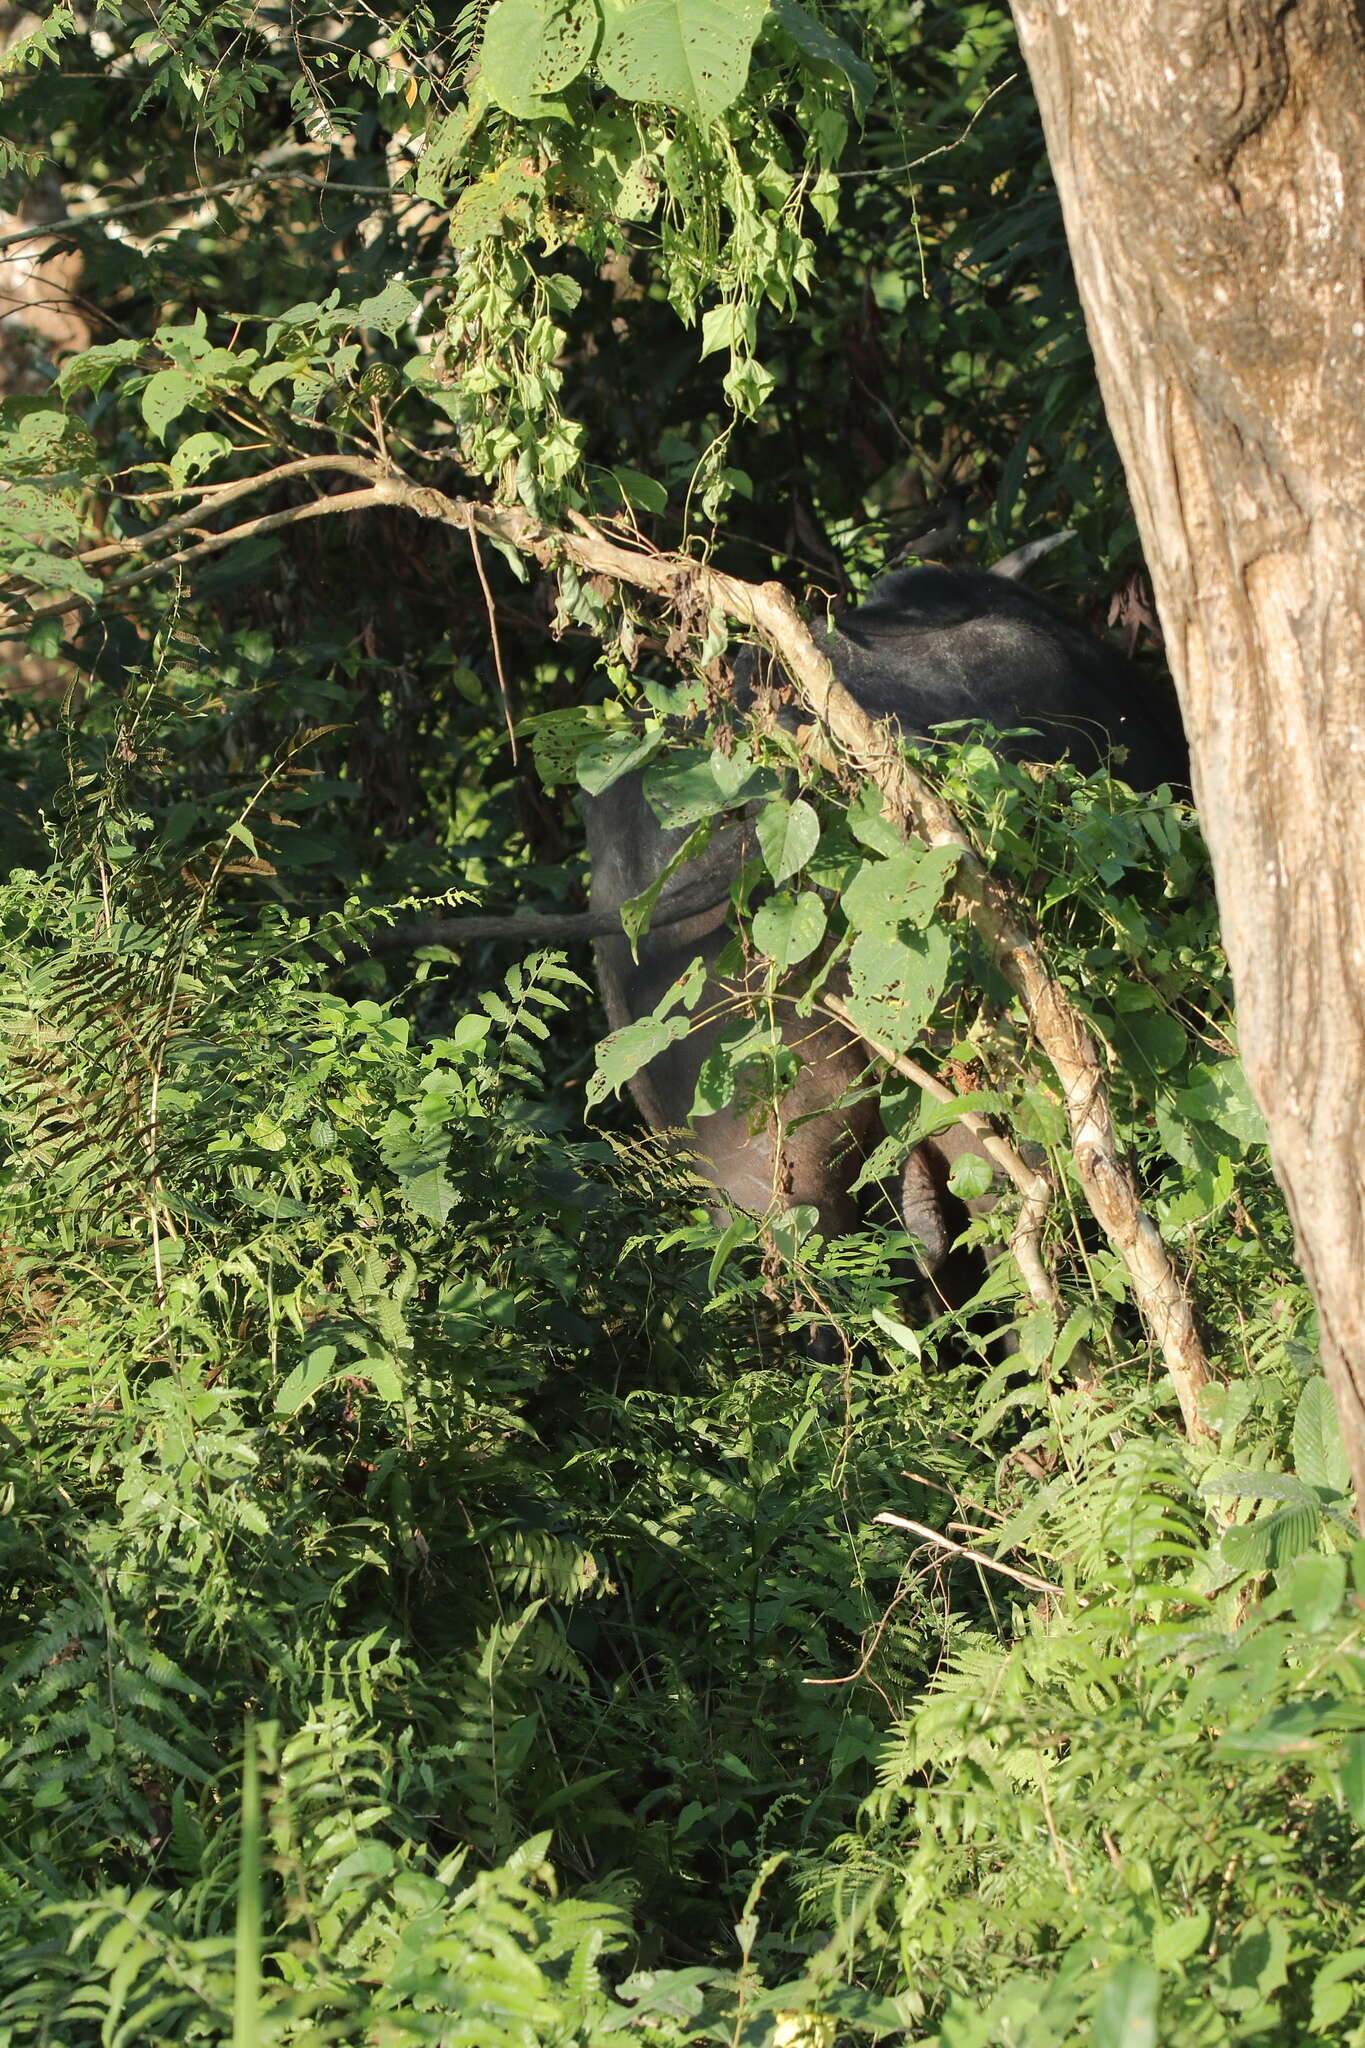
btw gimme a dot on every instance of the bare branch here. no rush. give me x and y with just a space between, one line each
990 1564
270 522
57 229
536 928
214 495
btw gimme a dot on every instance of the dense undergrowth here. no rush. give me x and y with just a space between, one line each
433 1614
445 1599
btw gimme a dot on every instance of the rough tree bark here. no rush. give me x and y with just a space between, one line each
1210 156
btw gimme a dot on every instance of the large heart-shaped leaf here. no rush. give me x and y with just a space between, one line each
532 48
789 928
692 55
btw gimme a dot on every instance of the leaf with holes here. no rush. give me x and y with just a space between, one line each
532 48
164 397
622 1054
895 983
197 453
906 888
388 310
605 760
683 789
692 55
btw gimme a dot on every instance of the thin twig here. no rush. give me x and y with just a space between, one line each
990 1564
55 229
870 1652
1055 1838
492 611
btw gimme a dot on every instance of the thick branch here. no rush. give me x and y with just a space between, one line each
536 928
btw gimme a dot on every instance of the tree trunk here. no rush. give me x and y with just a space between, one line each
1210 156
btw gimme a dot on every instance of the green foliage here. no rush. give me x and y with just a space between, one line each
351 1400
445 1599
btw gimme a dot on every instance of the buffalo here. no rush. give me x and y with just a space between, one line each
929 646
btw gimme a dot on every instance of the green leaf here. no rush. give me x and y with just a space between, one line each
305 1380
418 1158
904 1339
738 1043
1150 1039
790 1230
788 929
1353 1780
814 40
1126 2009
196 453
895 983
692 55
1273 1541
788 835
870 825
1227 1483
683 789
1316 1586
970 1176
54 572
604 761
622 1054
447 141
637 911
1292 1730
427 1192
732 770
907 888
739 1230
1319 1453
533 48
388 310
640 490
164 397
728 325
1175 1943
1220 1094
92 369
29 512
384 1374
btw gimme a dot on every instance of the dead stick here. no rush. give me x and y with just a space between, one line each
991 1564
